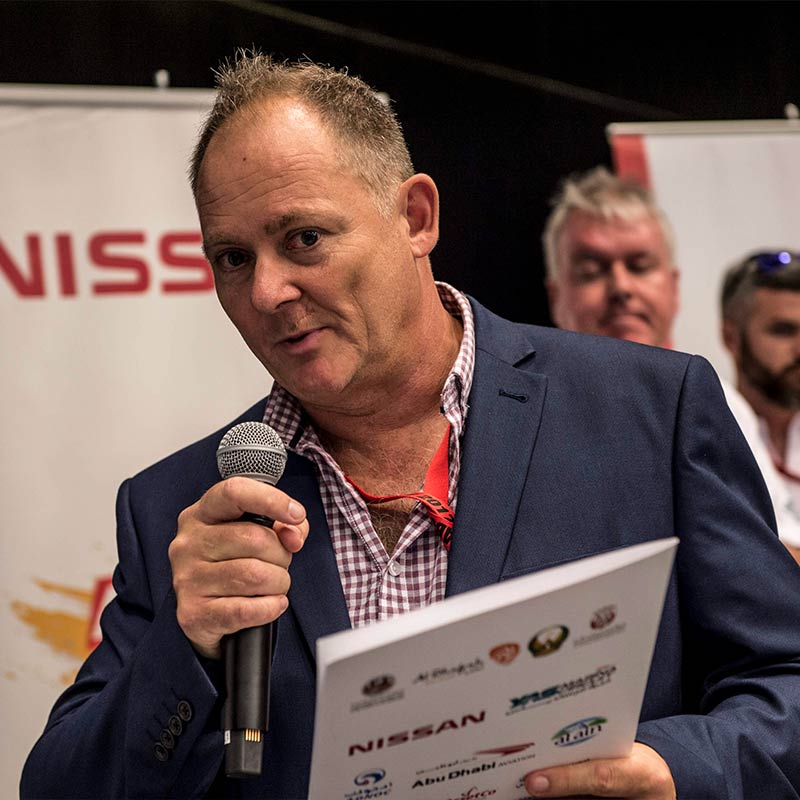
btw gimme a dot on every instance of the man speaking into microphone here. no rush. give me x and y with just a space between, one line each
432 448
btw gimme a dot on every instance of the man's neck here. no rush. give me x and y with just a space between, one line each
401 407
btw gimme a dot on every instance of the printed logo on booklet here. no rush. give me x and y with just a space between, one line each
548 640
579 732
445 673
600 677
504 653
376 690
601 625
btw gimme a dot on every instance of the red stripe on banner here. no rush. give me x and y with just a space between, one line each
630 159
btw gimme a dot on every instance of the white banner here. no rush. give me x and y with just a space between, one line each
114 353
728 188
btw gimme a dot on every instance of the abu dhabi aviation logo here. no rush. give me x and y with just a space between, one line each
377 691
372 783
578 732
548 640
600 677
490 758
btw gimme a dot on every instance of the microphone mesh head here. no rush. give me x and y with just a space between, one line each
254 450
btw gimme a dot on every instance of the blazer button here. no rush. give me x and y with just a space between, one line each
185 710
161 752
167 739
175 725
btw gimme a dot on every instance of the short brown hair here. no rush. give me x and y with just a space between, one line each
375 149
761 269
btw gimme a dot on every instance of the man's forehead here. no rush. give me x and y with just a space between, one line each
640 231
777 302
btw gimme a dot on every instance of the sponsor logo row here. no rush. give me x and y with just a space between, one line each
382 689
375 783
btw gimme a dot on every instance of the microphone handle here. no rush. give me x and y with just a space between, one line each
245 714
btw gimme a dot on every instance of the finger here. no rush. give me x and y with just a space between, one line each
242 539
236 496
596 778
241 577
196 543
292 537
217 617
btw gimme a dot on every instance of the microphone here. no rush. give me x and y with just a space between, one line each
252 450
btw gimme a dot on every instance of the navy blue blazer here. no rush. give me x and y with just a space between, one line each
574 445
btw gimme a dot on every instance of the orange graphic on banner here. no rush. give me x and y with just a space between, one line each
63 632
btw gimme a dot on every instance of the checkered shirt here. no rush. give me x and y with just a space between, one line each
378 586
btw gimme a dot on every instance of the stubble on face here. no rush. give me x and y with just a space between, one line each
781 388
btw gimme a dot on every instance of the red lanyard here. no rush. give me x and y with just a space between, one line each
433 495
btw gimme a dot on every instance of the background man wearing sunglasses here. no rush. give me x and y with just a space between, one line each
760 304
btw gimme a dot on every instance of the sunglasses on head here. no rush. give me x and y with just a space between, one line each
766 263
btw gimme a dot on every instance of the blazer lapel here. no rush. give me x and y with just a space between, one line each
316 595
505 409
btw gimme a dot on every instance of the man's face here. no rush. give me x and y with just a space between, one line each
768 350
318 283
615 278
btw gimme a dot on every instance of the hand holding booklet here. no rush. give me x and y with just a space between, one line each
460 700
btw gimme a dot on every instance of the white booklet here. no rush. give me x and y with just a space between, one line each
460 700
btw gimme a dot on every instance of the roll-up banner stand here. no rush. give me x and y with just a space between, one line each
728 188
114 353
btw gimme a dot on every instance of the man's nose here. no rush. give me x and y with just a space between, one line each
273 283
619 279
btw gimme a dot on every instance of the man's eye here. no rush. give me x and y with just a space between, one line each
783 329
302 240
232 259
586 269
641 265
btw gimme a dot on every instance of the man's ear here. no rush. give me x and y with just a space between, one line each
676 275
731 337
552 298
419 200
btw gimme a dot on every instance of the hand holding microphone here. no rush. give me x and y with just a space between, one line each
231 578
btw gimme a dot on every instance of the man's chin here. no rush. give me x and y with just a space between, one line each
632 331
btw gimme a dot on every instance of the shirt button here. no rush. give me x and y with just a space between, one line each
395 569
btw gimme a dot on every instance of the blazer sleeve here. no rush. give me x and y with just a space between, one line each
739 594
142 718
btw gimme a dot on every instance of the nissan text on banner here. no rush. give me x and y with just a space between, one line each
115 352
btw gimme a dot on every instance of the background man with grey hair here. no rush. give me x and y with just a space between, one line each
760 306
610 260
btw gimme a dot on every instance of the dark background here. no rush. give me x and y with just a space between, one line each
498 99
